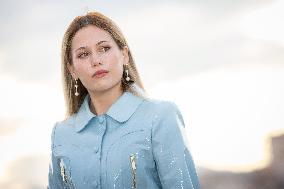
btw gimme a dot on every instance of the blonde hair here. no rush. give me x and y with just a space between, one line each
97 19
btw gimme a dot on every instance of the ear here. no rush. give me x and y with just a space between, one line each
71 70
125 52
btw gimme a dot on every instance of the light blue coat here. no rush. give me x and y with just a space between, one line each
138 143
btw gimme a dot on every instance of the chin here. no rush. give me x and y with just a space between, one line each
102 88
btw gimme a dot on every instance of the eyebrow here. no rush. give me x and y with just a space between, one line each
85 47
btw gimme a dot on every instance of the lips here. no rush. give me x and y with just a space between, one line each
100 73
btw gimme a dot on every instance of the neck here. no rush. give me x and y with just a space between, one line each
102 100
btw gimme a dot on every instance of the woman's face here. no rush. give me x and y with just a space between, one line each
93 49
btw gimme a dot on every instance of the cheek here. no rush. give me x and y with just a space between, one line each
116 65
118 70
80 68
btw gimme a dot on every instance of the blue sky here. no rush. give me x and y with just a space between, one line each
221 62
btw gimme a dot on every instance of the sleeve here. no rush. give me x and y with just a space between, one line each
54 172
172 156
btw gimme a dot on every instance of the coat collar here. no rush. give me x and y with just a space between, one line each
120 110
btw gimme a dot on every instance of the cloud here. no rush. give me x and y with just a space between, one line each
182 37
220 8
265 23
179 41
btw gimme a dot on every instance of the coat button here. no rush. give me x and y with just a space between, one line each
101 120
95 184
96 149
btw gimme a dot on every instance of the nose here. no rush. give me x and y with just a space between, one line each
95 60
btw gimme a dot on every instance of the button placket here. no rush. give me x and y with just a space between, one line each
101 132
101 120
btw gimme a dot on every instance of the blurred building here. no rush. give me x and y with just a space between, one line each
270 177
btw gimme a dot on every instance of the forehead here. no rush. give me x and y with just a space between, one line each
89 35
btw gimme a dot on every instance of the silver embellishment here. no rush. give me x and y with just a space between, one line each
133 168
63 171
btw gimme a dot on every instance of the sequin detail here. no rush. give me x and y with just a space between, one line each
133 168
66 177
63 171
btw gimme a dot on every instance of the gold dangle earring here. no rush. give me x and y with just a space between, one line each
76 88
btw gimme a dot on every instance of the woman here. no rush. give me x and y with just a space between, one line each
113 136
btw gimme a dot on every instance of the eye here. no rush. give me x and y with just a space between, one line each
104 49
82 55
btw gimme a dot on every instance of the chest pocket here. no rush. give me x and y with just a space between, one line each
130 159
